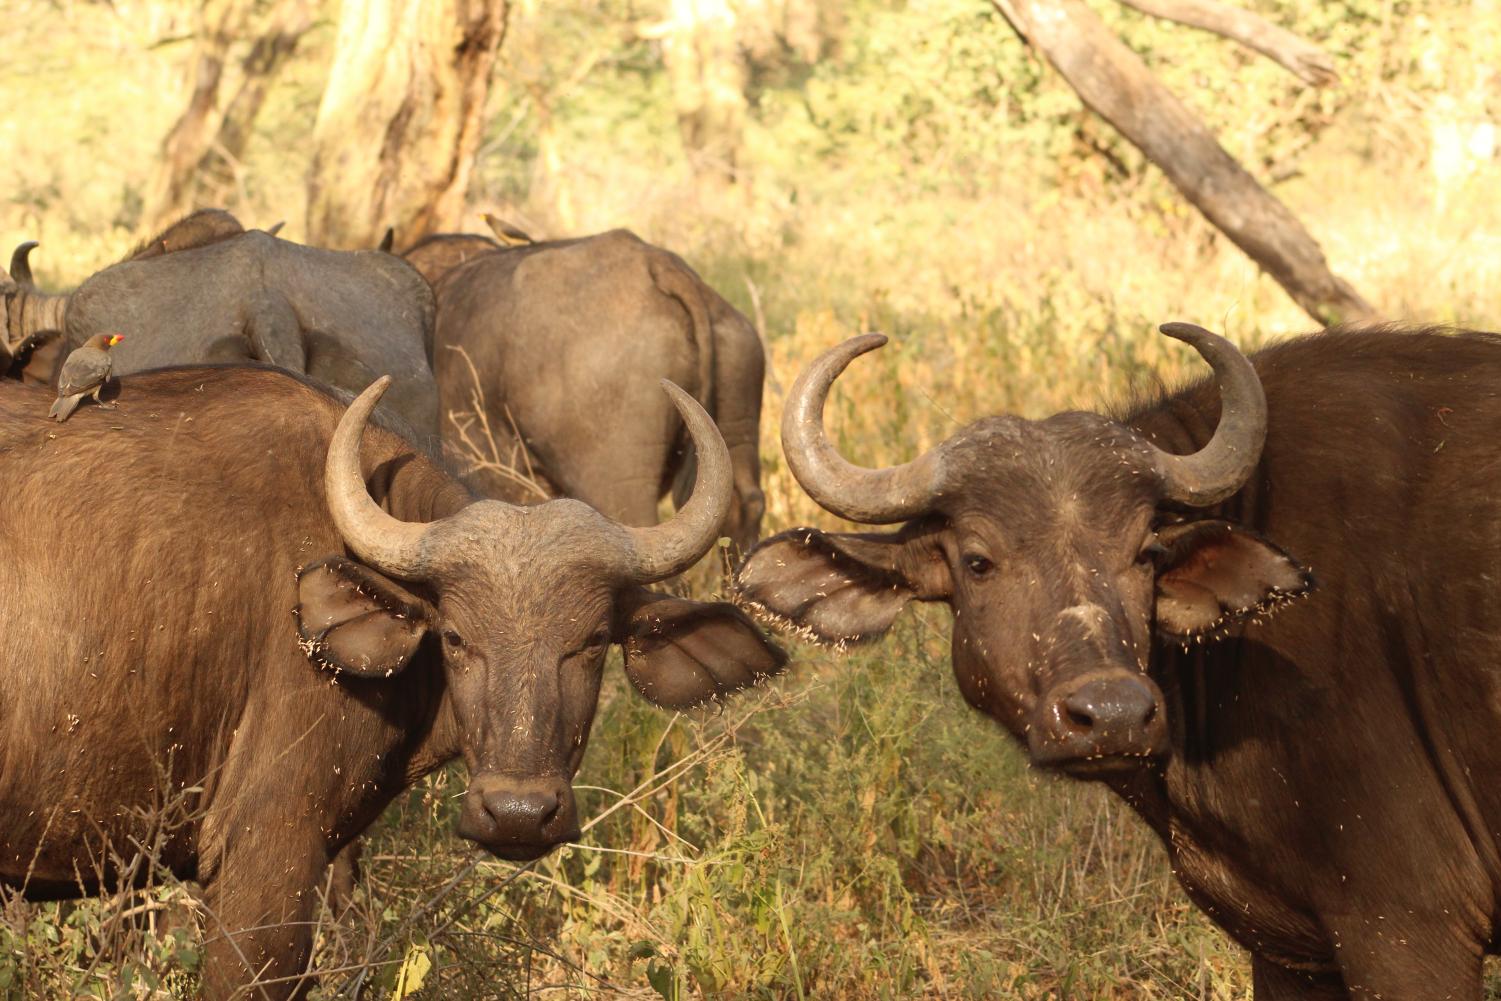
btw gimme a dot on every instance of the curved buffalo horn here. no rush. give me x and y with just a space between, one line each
20 267
1218 469
677 544
872 496
273 230
387 240
388 544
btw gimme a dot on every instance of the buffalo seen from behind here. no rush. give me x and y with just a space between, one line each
1322 772
207 291
560 332
289 639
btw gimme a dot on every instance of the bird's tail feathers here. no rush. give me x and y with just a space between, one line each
64 406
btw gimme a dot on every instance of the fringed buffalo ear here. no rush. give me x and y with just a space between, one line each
843 587
681 653
350 618
1213 575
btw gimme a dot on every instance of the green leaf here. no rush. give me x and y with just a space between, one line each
662 979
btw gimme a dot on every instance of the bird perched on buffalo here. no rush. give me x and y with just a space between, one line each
508 234
84 373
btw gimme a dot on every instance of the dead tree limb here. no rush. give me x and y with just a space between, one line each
1297 55
1115 84
284 27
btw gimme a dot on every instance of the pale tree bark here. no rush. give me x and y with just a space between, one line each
1114 83
707 72
773 31
1297 55
218 170
401 118
219 22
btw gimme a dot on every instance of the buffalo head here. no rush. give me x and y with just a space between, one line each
1054 542
522 604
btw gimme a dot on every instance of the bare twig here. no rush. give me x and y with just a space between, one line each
485 455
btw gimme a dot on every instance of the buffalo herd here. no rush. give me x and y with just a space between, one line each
1264 610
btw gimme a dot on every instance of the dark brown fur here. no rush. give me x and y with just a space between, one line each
1328 791
196 229
435 256
159 651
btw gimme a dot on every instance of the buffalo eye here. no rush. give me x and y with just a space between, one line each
452 640
600 637
977 565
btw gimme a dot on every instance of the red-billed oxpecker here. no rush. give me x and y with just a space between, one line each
84 373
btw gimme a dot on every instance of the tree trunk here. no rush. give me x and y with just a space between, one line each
1114 83
171 190
1298 56
200 156
401 118
707 74
219 168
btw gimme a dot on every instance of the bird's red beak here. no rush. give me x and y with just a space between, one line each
115 339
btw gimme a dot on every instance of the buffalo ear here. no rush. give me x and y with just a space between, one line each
843 587
350 618
681 653
1214 575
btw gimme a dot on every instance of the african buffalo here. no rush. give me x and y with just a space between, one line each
558 329
1322 772
230 590
201 293
436 255
32 323
31 341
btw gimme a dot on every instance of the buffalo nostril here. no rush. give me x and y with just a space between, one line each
1103 715
522 814
551 810
1078 717
1110 705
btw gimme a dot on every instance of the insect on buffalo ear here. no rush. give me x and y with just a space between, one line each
351 619
1214 575
839 588
680 654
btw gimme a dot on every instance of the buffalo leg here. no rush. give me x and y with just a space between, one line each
1271 982
1393 966
274 333
259 926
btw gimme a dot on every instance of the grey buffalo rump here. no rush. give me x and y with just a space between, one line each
569 338
344 318
1322 772
32 344
287 617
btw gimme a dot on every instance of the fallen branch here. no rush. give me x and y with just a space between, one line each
1294 53
1115 84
